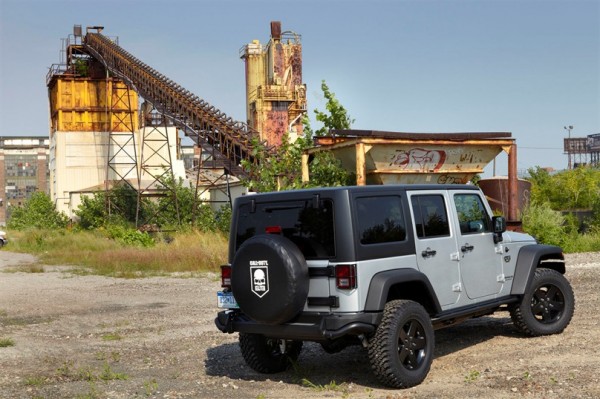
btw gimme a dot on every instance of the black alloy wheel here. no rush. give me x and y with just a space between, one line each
548 306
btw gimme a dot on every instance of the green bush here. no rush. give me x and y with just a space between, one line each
38 212
553 228
92 211
545 224
223 219
130 237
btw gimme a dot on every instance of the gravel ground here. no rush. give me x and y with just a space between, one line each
98 337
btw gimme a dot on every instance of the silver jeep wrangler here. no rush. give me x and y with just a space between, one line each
381 266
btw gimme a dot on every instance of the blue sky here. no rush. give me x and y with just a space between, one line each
527 67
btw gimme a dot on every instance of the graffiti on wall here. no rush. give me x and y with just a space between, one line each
451 179
419 159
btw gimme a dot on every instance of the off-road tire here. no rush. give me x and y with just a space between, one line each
547 307
268 355
401 351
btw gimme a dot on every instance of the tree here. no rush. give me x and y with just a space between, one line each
188 211
37 212
92 211
337 116
282 170
578 188
117 206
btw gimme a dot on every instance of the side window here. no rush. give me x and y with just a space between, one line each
380 219
431 218
472 216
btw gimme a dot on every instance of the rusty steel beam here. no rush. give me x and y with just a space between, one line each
425 136
513 194
341 142
234 141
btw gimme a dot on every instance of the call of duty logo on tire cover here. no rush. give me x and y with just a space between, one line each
259 274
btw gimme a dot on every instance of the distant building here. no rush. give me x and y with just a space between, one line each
583 150
23 170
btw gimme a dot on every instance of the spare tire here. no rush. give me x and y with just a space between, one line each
269 279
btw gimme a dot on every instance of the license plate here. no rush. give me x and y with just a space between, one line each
226 300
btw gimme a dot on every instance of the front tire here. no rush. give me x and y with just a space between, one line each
401 351
268 355
548 306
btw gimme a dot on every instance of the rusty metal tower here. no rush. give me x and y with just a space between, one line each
275 94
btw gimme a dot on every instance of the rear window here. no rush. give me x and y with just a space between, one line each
380 220
309 227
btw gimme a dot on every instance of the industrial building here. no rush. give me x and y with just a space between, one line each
23 170
116 120
103 132
275 94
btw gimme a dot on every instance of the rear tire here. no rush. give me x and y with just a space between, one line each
401 351
547 307
268 355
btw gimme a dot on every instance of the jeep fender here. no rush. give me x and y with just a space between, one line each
383 282
529 259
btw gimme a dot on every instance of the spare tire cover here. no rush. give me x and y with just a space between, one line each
269 279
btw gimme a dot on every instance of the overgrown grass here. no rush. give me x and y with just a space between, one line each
193 252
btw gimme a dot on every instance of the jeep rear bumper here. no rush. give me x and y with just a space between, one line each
312 327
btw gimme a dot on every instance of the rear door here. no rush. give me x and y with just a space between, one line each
435 242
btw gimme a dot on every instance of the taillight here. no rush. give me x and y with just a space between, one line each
345 277
273 230
226 276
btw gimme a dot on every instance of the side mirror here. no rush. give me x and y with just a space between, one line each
499 226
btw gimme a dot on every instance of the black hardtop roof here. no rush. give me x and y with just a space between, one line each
363 189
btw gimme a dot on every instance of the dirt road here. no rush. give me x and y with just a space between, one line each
70 336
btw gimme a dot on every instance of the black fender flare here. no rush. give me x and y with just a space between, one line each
528 260
382 282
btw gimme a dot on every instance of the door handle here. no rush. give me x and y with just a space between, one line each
428 253
467 248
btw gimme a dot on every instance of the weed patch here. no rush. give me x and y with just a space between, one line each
331 387
69 372
109 375
112 337
33 268
472 376
35 381
150 387
6 342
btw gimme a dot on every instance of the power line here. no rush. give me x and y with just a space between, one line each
540 148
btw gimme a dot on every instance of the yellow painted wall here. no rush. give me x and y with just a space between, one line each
85 104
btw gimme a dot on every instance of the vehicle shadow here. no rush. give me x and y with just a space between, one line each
315 367
472 332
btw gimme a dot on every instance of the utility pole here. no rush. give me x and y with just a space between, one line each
568 146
